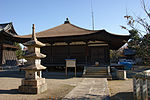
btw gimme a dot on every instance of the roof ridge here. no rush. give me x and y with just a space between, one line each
71 25
82 28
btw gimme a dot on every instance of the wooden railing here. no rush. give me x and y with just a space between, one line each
141 85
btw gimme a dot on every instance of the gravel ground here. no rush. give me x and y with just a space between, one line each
121 89
58 86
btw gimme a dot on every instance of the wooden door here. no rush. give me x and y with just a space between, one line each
97 55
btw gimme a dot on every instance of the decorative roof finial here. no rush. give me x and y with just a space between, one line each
33 33
67 21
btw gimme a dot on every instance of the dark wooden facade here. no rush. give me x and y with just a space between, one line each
85 54
7 48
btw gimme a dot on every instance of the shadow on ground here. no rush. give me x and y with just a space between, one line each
47 75
12 91
60 75
79 98
123 96
13 74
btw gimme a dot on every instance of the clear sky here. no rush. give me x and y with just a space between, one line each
45 14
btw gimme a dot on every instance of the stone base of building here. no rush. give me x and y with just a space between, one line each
33 86
121 74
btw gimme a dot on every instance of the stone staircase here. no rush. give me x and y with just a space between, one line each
97 72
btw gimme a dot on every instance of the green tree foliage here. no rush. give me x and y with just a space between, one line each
134 40
19 52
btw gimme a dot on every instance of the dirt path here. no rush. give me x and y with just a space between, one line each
58 87
121 89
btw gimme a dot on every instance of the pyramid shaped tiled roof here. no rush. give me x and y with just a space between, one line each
68 32
65 29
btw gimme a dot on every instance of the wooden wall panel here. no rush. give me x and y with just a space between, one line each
47 51
56 55
0 54
78 53
9 58
99 54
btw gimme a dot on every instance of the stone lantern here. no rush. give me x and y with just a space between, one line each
33 82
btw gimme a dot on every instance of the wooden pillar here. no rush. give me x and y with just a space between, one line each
105 54
108 55
87 53
1 53
68 49
51 53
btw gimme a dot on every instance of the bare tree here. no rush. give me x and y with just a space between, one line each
142 22
142 44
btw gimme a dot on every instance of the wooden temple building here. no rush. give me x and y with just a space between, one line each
7 46
68 41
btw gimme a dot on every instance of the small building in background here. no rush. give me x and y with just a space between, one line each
7 46
129 53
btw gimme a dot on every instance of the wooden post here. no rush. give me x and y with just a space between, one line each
144 93
51 54
75 72
136 89
66 72
87 53
1 53
68 50
108 55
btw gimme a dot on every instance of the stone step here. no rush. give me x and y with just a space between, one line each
97 76
88 72
96 68
97 72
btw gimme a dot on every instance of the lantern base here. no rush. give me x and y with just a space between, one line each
33 86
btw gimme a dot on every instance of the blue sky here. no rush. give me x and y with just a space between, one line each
45 14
